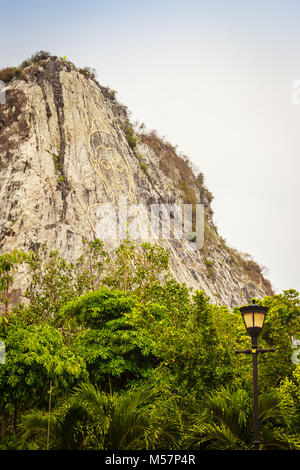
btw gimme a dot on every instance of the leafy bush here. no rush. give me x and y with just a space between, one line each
130 135
200 179
108 92
169 160
142 162
8 73
224 421
37 56
88 72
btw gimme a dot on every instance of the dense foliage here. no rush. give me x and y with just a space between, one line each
112 352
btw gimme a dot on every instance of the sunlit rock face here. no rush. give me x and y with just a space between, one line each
65 161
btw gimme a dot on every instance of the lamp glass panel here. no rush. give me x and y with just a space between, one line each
259 319
248 319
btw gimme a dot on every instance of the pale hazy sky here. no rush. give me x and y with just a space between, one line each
214 77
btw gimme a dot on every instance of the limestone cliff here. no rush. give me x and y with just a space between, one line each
67 148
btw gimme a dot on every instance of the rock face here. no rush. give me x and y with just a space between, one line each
67 152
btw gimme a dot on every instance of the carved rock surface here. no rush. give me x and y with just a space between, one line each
64 157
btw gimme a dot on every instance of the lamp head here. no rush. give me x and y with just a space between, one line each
254 317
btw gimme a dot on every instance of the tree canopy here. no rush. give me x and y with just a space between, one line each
113 342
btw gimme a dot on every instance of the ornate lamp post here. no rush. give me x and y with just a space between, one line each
254 317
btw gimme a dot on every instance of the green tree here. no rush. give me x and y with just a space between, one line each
225 422
9 263
109 345
282 323
59 431
97 420
50 284
289 391
35 355
122 267
90 266
138 267
191 355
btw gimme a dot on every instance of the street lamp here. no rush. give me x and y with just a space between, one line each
254 317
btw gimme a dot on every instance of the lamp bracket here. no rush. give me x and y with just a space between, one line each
255 351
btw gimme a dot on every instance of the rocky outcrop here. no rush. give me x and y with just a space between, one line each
67 152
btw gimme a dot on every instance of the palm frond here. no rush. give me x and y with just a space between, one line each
214 437
34 425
